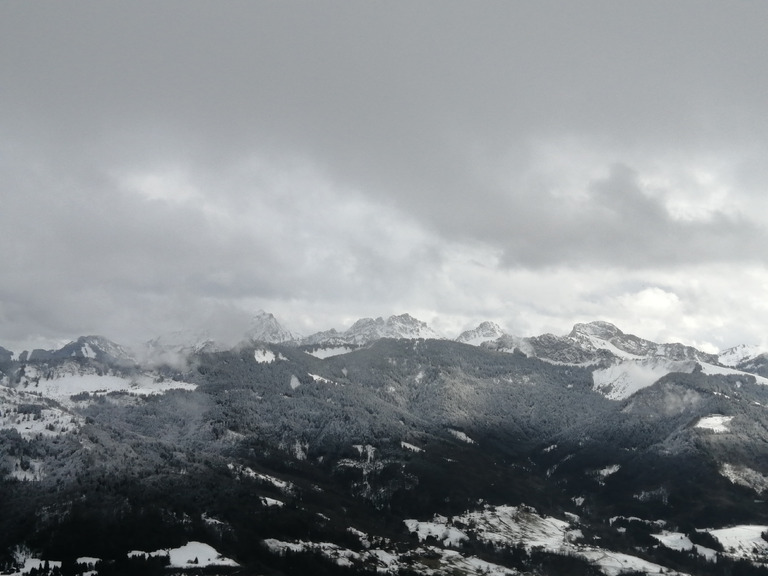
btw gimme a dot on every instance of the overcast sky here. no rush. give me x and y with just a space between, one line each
173 165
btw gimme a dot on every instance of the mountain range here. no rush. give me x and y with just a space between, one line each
384 449
621 363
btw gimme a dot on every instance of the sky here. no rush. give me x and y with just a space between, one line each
178 165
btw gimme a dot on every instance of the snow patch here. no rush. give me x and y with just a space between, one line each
322 379
744 476
30 564
716 422
737 354
284 486
620 381
27 471
713 370
742 541
447 535
324 353
681 542
459 435
366 451
271 502
190 555
264 356
63 388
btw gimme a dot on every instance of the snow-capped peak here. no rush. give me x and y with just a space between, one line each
265 328
597 329
93 347
367 330
485 332
738 354
601 335
406 326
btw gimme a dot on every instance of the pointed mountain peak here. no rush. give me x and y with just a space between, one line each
265 327
406 326
598 329
92 347
485 332
741 353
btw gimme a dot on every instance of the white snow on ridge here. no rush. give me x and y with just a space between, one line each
37 418
620 381
744 476
322 379
271 502
740 353
608 470
716 422
711 369
441 561
324 353
448 535
284 486
601 344
34 564
681 542
512 524
459 435
496 525
742 541
61 389
617 563
190 555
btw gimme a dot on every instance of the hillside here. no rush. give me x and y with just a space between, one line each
595 452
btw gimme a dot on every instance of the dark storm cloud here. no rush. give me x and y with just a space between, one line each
351 152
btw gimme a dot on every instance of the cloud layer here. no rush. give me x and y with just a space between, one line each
171 165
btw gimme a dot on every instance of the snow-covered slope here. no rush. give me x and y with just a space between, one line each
622 379
30 415
739 354
622 363
63 388
605 336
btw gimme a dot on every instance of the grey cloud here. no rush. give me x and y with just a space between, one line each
420 122
622 226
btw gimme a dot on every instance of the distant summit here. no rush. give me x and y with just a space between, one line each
93 347
367 330
485 332
173 347
265 328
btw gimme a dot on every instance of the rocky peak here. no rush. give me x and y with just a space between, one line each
265 327
485 331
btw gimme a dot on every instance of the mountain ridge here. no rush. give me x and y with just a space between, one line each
587 343
266 447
